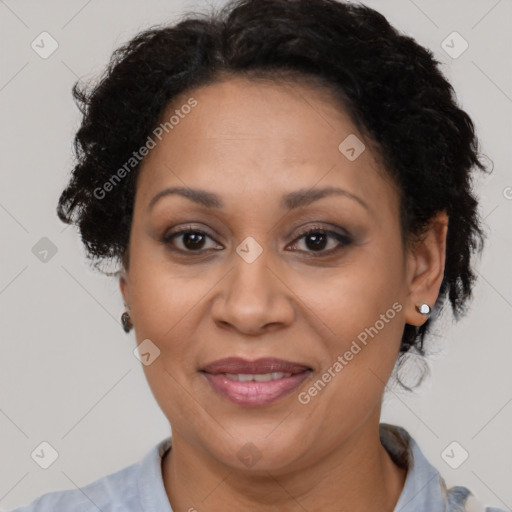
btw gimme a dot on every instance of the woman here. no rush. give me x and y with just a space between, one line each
286 187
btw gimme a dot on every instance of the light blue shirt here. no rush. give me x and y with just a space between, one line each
140 488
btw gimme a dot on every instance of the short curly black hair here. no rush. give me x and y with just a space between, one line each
389 84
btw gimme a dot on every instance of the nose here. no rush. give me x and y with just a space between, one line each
254 297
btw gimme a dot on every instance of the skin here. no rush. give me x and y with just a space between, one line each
251 143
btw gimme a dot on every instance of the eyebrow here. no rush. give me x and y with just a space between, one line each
289 201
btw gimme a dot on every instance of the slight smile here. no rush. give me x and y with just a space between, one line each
254 383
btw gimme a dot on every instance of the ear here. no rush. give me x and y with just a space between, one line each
425 268
124 286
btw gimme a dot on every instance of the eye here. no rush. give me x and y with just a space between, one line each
190 239
317 239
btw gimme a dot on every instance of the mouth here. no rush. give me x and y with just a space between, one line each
254 383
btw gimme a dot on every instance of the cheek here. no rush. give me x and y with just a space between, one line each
351 298
169 309
362 308
163 293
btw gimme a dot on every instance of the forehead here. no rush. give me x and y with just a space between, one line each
258 138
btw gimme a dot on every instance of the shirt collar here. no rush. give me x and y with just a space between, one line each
153 497
424 489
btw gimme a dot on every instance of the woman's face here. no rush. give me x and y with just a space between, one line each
253 286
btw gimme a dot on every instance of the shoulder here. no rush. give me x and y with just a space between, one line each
115 492
425 489
98 495
461 498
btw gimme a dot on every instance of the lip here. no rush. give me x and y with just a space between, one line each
262 365
254 393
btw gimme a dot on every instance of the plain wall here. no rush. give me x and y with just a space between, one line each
67 370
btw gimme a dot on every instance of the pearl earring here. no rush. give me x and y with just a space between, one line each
424 309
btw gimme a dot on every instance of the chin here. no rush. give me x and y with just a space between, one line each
257 451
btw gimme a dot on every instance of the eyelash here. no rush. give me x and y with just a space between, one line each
343 239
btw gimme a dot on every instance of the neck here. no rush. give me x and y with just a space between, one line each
358 475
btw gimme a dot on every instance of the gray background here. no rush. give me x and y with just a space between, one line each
68 375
